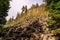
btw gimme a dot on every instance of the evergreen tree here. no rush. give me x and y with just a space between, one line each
24 9
4 6
37 5
54 13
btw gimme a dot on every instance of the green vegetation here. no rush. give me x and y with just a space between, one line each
53 7
4 6
21 25
57 31
51 10
54 13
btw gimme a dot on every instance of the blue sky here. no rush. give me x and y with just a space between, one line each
16 6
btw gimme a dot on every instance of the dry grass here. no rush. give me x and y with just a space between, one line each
32 12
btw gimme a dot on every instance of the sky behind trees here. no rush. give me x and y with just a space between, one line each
16 6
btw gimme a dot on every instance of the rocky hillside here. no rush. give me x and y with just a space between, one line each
31 30
34 11
31 24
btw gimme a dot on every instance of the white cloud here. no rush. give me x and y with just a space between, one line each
16 6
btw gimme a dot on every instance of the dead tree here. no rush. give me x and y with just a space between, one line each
24 9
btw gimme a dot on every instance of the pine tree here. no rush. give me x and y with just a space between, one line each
54 13
4 6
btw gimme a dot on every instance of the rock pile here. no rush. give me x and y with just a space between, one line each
30 29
